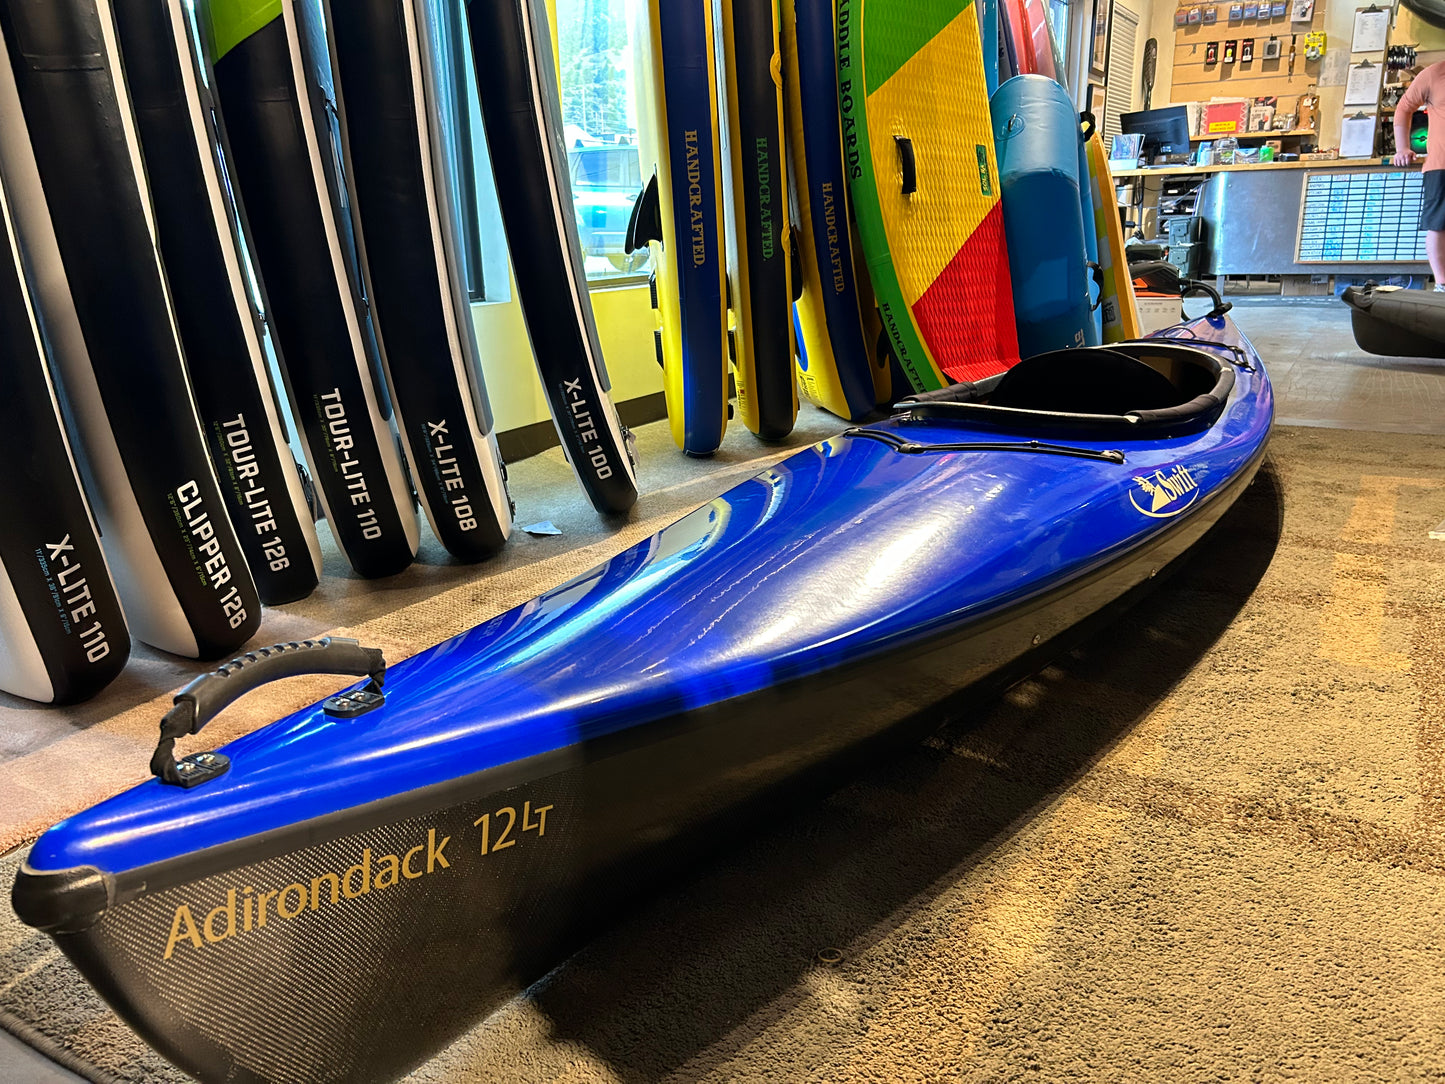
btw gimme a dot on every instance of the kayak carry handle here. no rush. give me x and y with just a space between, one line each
208 695
908 163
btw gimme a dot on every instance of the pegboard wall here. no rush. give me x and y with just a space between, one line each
1194 80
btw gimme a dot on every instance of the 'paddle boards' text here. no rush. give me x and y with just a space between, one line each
189 502
845 91
338 427
694 198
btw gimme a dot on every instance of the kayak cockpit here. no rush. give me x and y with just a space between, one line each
1143 389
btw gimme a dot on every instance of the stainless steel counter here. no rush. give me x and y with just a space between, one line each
1253 220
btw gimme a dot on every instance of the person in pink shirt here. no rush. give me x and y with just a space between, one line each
1427 88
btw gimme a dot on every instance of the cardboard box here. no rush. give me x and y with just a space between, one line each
1157 312
1229 117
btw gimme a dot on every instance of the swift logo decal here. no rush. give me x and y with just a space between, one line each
1164 495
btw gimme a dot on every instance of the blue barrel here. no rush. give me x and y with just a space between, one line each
1036 132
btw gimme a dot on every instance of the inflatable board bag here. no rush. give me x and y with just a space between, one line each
680 212
273 84
512 54
201 243
390 114
62 635
836 366
1037 134
924 180
755 188
164 523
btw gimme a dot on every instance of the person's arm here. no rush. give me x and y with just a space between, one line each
1411 100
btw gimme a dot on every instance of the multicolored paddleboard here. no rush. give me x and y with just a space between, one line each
680 213
200 228
924 179
1117 305
391 107
62 634
176 558
274 85
836 363
755 187
522 109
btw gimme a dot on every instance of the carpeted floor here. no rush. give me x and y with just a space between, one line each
1208 844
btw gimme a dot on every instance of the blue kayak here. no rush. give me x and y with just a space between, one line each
447 833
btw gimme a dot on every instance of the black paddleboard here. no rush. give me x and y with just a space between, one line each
62 634
755 185
512 55
272 72
390 115
201 244
171 546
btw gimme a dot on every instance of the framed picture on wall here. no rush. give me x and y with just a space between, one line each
1099 39
1095 100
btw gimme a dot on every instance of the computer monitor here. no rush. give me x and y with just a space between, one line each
1165 131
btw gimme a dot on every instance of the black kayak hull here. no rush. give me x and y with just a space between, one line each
175 556
1397 323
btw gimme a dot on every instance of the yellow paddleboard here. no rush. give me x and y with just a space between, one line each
1121 313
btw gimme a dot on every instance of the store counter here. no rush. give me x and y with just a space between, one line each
1307 218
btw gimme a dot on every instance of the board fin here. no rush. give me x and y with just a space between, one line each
646 222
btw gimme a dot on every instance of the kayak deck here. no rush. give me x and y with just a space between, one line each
845 551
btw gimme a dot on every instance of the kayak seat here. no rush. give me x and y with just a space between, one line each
1142 386
1108 382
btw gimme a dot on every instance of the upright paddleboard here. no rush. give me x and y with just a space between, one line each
273 83
512 54
62 635
164 522
680 212
391 111
1087 128
837 362
755 189
1120 312
988 33
924 180
201 243
1037 134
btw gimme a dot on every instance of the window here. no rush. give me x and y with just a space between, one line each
600 127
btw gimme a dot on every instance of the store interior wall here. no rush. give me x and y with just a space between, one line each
1158 17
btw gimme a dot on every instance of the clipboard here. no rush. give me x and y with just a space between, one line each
1362 85
1357 136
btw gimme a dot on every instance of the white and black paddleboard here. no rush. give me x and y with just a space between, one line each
512 54
387 87
201 245
170 544
273 85
62 635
